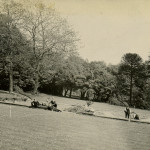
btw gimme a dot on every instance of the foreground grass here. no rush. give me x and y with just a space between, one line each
34 129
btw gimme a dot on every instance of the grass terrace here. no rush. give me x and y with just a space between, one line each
36 129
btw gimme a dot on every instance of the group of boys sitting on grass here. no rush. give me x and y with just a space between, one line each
51 104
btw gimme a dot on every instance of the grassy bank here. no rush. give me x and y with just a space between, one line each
34 129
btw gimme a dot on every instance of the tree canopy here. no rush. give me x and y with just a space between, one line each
39 53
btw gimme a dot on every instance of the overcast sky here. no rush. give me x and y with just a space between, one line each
109 28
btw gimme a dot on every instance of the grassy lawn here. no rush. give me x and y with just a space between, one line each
36 129
100 108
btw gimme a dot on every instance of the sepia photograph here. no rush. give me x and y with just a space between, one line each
74 75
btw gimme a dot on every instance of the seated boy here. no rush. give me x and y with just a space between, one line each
35 103
135 116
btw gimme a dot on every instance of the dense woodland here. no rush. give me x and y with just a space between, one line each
39 53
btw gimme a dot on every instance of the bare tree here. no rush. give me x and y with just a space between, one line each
49 36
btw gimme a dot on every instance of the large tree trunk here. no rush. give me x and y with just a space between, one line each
82 95
65 92
11 78
70 92
36 84
131 86
10 82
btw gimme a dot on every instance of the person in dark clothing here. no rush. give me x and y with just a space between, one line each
34 103
53 104
135 116
127 112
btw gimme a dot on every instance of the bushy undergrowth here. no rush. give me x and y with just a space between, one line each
141 104
115 101
76 109
12 97
84 109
